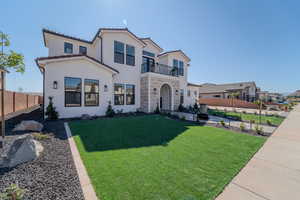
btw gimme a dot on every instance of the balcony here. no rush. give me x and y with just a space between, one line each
160 69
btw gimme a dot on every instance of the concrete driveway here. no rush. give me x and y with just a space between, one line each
274 171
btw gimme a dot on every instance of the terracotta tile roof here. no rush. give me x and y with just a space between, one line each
72 56
228 103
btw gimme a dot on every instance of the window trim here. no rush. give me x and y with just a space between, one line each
123 85
130 95
131 46
74 92
181 70
97 93
115 51
65 43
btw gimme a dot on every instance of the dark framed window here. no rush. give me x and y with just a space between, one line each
195 93
130 94
68 47
147 53
181 68
148 64
130 55
91 92
189 93
82 50
181 96
119 94
175 63
119 52
72 92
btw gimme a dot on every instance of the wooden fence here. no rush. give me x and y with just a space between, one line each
15 101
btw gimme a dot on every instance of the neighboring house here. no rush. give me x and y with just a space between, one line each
246 91
270 97
117 67
294 97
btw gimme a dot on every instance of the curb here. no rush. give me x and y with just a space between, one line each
85 182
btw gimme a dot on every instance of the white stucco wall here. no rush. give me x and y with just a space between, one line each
128 74
56 46
78 68
190 100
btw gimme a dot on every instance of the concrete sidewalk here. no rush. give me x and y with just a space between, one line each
274 171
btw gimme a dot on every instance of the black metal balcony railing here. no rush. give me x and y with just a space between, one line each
160 69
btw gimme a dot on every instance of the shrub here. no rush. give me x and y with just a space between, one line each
40 136
157 111
252 121
180 108
242 126
182 118
202 116
110 111
269 122
259 129
13 192
51 112
222 123
244 112
196 108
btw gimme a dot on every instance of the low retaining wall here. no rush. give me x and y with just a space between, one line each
187 116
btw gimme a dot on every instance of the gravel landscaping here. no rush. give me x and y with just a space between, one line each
53 175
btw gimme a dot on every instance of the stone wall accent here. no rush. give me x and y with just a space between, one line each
144 94
157 82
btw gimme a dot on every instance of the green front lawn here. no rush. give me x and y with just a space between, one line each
152 157
275 120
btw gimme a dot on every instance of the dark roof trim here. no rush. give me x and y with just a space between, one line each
179 50
63 35
72 56
192 84
87 41
148 38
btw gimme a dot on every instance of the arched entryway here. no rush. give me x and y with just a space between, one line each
165 97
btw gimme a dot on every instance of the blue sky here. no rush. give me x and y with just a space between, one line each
227 41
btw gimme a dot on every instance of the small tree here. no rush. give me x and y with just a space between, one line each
196 108
51 110
10 59
180 108
110 111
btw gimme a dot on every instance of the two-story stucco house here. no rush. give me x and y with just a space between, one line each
117 67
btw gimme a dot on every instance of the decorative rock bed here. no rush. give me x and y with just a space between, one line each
52 175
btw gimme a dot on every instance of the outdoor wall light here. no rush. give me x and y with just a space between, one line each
105 88
55 85
154 90
176 92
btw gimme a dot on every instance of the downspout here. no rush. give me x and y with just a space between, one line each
43 94
101 49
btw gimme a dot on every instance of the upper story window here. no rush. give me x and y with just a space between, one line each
72 92
147 53
181 68
68 47
189 93
175 63
130 55
119 52
82 50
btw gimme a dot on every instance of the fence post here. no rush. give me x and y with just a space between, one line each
14 101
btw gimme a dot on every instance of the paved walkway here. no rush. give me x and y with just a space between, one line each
274 171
